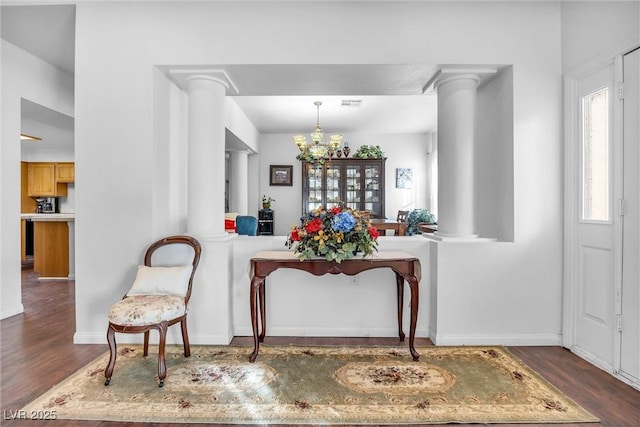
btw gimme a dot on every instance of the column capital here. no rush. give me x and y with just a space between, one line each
182 77
447 74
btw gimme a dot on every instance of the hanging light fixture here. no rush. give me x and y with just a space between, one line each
317 148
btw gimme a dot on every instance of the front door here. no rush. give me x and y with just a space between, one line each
596 221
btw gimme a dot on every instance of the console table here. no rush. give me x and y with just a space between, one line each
405 266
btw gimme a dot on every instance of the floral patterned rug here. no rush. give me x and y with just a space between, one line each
313 385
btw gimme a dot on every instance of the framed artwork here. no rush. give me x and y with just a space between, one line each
404 178
280 175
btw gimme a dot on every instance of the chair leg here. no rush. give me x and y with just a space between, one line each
185 337
145 351
111 339
162 367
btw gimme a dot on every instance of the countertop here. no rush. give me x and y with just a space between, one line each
49 217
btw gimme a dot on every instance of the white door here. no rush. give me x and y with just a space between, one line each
630 295
596 221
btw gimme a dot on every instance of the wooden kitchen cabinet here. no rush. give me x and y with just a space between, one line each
42 181
65 172
51 249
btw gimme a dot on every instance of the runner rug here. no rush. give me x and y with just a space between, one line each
313 385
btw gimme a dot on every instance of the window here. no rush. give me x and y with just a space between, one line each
595 156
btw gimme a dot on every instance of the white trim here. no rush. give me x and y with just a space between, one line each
297 331
506 340
172 338
617 122
18 309
570 211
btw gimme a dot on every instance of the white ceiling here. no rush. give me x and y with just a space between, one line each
276 98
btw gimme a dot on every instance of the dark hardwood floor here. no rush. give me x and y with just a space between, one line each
38 352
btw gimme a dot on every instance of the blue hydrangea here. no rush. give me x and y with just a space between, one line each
343 221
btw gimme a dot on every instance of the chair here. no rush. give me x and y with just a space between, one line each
158 298
402 217
366 215
247 225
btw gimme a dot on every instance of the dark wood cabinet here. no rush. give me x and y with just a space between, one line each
265 222
355 183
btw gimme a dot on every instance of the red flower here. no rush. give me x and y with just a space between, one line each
295 236
373 232
336 210
314 226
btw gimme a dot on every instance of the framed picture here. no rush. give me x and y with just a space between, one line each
280 175
404 178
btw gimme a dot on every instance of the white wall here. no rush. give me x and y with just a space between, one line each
114 66
493 184
23 76
594 28
115 104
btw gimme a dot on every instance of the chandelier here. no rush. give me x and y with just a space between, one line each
317 148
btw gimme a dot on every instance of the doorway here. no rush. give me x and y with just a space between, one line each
602 218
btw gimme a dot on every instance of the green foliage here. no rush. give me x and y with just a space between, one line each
369 152
307 157
417 216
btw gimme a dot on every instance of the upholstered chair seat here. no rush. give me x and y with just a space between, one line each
142 310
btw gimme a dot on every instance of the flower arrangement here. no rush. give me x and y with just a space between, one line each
335 234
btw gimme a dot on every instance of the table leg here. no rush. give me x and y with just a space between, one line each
413 284
253 301
263 312
400 289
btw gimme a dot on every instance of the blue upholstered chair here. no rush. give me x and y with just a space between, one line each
247 225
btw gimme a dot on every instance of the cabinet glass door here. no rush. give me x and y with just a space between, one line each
372 190
333 193
314 184
352 186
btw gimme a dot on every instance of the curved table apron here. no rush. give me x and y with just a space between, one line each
405 266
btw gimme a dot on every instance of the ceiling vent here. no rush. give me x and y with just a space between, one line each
353 103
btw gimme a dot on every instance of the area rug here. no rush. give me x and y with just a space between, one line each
313 385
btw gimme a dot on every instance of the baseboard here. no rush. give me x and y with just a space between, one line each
599 363
172 338
328 332
12 312
502 340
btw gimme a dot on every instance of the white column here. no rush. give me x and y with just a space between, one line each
206 128
456 134
239 182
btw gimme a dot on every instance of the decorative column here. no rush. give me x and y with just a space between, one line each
238 182
206 90
457 91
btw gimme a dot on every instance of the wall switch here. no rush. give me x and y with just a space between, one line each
354 280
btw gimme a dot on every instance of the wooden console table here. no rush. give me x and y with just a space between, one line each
405 266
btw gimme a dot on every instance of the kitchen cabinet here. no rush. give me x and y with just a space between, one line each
65 172
51 249
358 184
42 181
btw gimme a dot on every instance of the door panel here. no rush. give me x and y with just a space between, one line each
630 320
595 314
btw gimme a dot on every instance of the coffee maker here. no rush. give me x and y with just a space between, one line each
47 205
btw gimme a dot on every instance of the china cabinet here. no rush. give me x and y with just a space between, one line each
356 183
